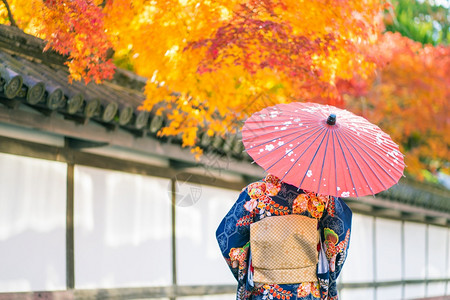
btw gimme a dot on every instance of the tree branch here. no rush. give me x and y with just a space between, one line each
10 16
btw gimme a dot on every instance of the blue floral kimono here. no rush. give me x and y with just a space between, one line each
271 197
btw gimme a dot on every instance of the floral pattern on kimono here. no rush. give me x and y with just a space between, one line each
272 197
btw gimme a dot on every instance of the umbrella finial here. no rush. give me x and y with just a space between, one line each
331 119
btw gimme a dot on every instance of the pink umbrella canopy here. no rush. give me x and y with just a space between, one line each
323 149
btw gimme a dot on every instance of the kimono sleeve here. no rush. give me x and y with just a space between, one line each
233 236
335 229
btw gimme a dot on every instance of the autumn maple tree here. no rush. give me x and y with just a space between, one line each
211 64
408 94
208 60
408 98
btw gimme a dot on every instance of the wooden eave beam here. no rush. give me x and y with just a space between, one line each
92 131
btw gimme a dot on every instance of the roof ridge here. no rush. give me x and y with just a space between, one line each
14 41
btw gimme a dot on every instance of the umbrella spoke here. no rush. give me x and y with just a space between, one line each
381 148
374 160
279 146
368 138
335 164
315 153
253 130
284 114
273 139
357 164
276 123
280 118
287 153
377 176
323 162
348 167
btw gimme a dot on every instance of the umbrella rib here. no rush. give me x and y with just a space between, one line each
288 153
269 152
283 136
384 148
365 179
323 162
348 167
315 154
270 132
265 125
335 165
295 114
352 143
300 119
285 118
347 137
276 125
302 116
380 146
381 167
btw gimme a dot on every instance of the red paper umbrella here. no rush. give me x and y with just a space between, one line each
323 149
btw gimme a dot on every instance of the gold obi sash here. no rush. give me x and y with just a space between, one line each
284 249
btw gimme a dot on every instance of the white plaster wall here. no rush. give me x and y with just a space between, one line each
32 224
122 229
